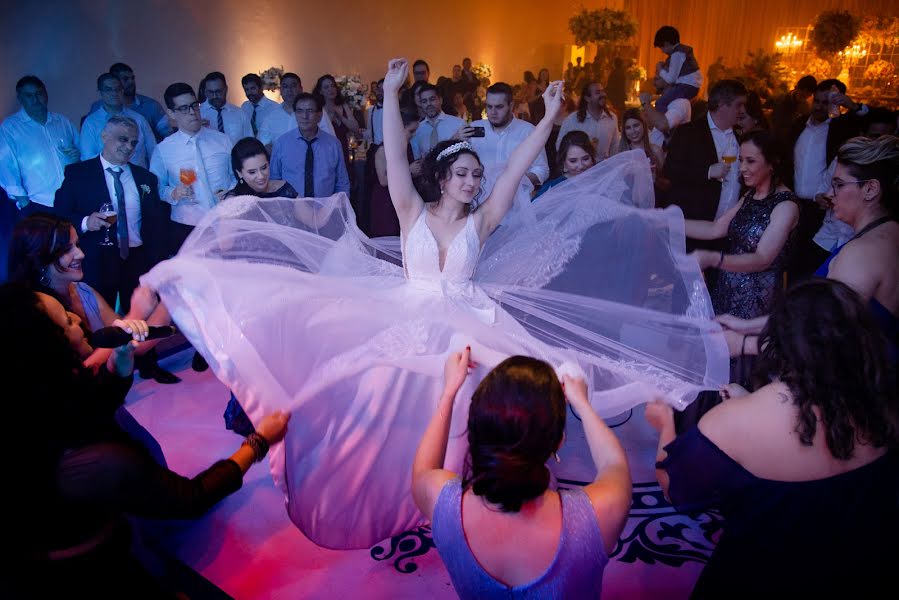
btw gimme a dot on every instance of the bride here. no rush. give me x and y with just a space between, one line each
295 309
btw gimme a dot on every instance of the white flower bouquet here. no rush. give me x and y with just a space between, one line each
353 90
482 70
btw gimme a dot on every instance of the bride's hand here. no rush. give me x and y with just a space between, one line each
397 71
456 370
553 98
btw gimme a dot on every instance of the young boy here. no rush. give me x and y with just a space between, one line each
680 70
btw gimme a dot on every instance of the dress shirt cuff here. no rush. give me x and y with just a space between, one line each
84 224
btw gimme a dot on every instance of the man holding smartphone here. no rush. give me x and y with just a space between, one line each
497 136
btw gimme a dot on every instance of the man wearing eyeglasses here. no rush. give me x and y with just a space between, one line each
112 95
310 159
193 164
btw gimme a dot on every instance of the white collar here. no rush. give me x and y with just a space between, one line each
108 165
187 137
713 126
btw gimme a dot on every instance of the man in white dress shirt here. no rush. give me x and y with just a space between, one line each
202 151
113 96
41 145
279 122
223 117
502 134
374 129
437 126
594 118
149 108
257 107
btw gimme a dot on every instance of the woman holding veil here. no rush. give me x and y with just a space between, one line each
295 309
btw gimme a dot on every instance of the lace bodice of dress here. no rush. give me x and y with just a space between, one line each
421 255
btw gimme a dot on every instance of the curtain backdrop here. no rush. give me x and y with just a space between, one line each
68 43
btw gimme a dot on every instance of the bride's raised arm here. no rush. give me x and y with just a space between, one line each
405 197
500 201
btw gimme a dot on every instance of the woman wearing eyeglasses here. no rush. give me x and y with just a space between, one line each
865 195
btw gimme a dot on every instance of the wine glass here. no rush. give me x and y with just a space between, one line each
730 153
108 213
188 177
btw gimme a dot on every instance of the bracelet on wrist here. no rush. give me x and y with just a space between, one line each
258 444
720 260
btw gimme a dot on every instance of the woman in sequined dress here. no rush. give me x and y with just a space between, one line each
758 229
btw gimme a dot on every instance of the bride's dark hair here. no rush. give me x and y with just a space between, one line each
515 423
434 171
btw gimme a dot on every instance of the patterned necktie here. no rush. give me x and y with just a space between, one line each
122 218
253 120
221 121
308 180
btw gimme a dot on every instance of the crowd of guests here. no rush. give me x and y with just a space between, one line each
770 198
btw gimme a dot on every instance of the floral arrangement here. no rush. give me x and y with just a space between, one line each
353 90
636 73
482 70
819 69
271 78
765 73
880 70
834 30
879 30
604 26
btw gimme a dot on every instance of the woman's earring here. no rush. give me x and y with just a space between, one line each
556 456
45 277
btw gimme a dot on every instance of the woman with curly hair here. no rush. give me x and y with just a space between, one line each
804 470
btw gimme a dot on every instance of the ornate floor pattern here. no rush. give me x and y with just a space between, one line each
248 548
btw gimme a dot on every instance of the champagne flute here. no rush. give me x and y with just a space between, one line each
108 213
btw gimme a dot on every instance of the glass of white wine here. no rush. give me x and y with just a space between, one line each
108 213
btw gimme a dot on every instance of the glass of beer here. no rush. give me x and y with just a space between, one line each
107 212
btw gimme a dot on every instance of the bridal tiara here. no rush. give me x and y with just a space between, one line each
453 149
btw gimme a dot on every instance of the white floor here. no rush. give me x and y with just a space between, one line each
249 549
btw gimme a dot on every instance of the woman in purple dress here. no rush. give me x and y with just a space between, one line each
500 529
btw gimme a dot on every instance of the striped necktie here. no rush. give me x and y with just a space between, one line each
221 121
253 120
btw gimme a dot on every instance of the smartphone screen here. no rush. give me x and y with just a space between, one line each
478 131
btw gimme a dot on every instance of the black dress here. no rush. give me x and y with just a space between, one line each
751 295
822 538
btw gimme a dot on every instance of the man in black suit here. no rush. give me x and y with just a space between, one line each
702 184
138 232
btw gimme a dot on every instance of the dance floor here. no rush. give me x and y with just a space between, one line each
248 549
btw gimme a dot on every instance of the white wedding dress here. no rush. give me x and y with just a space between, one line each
295 309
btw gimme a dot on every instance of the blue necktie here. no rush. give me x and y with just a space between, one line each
122 218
